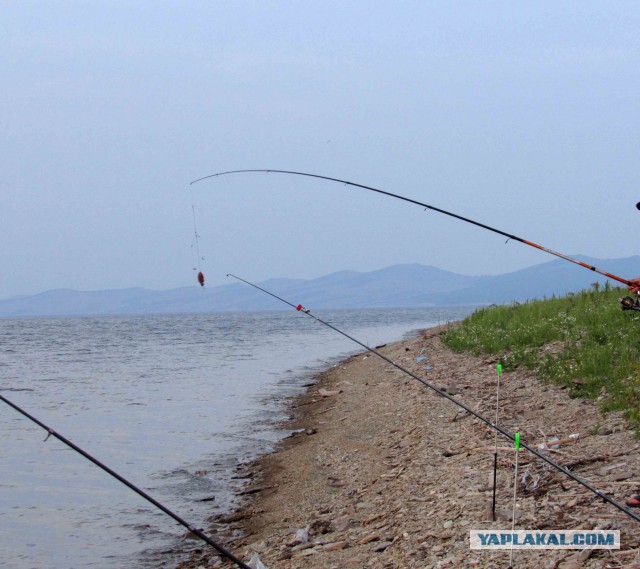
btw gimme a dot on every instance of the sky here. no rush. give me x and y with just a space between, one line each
521 115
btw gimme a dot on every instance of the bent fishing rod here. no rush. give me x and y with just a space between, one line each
219 548
563 469
433 208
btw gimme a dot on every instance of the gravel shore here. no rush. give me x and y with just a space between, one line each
383 472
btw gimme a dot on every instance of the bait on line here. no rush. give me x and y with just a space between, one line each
564 470
197 243
627 302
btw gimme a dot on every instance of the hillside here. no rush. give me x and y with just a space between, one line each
411 285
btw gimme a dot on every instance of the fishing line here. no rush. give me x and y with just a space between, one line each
50 432
563 469
197 238
427 206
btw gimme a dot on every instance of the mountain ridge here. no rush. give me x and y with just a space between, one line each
395 286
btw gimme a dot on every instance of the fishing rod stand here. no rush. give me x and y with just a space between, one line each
628 303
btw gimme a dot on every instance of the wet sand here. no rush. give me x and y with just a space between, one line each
385 472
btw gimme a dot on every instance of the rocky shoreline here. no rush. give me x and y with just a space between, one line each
382 472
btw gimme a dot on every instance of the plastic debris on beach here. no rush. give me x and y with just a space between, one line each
256 563
301 536
420 359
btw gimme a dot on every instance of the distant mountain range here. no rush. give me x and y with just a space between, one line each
396 286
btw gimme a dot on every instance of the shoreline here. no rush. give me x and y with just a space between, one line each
386 473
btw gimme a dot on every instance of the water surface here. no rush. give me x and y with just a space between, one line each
171 402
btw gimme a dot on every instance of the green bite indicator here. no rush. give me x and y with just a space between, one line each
499 369
517 441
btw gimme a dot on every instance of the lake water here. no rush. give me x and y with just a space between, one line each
160 399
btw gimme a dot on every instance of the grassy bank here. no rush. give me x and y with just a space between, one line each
584 341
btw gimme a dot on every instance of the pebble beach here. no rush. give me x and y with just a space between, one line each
382 472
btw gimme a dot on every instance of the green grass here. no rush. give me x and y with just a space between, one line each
584 341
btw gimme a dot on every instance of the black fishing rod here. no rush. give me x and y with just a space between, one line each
468 409
427 206
219 548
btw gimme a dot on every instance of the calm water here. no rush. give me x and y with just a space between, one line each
159 399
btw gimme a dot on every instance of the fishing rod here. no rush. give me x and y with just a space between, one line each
439 210
563 469
219 548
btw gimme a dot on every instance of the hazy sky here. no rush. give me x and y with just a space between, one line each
524 115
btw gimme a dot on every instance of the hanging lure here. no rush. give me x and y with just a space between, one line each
195 233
